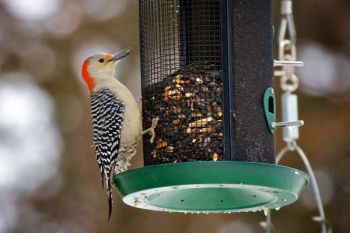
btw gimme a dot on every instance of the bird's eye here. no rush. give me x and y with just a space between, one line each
101 60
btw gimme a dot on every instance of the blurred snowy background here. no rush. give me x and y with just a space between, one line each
48 174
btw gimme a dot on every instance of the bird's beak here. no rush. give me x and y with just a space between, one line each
120 55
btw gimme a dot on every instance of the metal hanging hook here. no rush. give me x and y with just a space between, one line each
287 23
287 49
289 83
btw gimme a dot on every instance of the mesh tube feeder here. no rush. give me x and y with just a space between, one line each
207 71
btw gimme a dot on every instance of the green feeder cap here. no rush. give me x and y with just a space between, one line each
211 187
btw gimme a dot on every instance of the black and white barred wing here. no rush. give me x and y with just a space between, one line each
107 115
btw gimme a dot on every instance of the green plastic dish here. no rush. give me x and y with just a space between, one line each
211 187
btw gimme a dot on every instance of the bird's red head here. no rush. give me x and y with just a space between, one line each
100 66
90 82
90 68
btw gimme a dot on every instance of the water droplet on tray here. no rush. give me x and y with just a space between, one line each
266 211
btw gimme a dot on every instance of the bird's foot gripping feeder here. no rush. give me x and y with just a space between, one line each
211 187
206 67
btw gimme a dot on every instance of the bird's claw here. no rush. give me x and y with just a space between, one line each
151 130
155 122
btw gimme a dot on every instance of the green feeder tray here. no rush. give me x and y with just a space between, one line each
211 187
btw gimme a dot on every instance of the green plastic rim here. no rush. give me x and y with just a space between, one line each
211 187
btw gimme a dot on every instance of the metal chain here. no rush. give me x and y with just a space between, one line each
287 52
289 83
287 47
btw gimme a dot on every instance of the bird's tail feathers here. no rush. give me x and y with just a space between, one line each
106 182
109 192
110 200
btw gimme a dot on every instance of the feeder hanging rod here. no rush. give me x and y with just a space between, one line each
289 83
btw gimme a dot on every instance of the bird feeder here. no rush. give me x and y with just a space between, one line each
207 71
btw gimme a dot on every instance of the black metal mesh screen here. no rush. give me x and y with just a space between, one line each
180 43
182 81
253 71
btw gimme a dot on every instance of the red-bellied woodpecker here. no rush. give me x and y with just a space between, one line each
116 116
